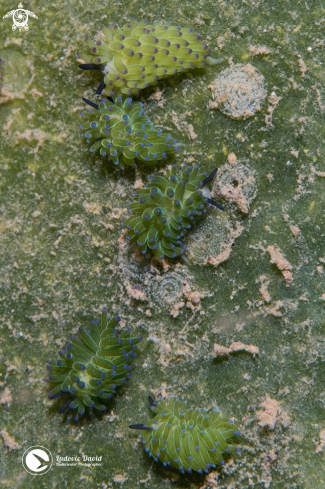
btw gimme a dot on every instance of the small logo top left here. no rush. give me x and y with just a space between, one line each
20 18
37 460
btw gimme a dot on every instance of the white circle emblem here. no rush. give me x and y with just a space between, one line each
37 460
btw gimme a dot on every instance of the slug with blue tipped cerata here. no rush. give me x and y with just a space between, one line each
166 208
187 439
92 365
139 54
122 132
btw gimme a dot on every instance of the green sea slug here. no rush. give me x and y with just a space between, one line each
124 134
187 439
167 207
139 54
92 365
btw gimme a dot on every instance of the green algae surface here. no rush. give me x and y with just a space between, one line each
253 274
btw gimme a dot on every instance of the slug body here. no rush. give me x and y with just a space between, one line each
167 207
124 134
187 439
139 54
92 365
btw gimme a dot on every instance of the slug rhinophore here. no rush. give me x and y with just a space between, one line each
167 207
139 54
92 365
187 439
124 134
